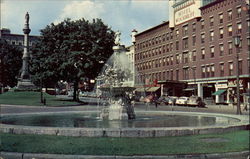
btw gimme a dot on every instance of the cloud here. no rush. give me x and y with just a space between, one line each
81 9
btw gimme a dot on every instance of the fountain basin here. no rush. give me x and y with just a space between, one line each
153 125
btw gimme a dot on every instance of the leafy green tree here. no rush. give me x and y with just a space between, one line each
72 50
11 63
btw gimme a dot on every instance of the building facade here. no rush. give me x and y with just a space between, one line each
194 52
16 39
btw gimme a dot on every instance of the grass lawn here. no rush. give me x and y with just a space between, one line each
228 142
33 99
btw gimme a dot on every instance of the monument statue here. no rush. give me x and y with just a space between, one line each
27 18
117 37
24 82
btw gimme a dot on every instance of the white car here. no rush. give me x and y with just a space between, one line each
182 101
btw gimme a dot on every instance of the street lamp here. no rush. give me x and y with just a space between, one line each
237 41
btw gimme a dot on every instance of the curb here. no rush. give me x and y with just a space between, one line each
229 155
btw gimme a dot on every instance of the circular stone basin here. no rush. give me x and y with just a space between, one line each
91 120
146 124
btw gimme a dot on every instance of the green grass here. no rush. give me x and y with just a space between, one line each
236 141
32 99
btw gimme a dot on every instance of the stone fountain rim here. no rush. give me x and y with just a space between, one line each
128 132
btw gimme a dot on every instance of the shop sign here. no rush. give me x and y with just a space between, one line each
233 83
188 11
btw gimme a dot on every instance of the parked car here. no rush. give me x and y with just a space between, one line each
164 99
182 101
172 100
196 101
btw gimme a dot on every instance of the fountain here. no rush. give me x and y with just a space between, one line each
112 82
117 118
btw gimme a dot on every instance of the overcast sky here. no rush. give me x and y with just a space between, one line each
123 15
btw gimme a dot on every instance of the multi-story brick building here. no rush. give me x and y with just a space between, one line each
16 39
194 52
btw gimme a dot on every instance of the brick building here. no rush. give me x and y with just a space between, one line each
16 39
193 52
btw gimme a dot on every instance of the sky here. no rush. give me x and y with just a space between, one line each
122 15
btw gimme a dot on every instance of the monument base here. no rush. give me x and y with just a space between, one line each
25 84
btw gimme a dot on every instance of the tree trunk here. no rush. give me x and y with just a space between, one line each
75 95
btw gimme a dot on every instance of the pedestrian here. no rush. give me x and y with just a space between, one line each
155 100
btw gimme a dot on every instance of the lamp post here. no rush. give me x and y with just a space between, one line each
236 40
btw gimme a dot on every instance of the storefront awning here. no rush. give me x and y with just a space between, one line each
140 89
219 92
152 89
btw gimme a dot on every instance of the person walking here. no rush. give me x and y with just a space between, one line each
155 100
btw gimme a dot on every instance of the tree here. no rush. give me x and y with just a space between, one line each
72 50
11 63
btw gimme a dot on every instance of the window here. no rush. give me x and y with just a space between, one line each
240 67
185 73
177 32
230 68
248 43
13 42
185 57
177 45
203 38
211 21
211 35
172 74
230 30
221 47
164 61
202 24
167 46
194 40
221 33
239 28
208 71
163 37
171 35
167 36
230 15
212 52
221 18
212 70
177 59
230 47
168 61
171 47
194 55
185 43
202 53
185 30
239 12
167 74
221 69
248 24
203 71
171 60
194 27
177 75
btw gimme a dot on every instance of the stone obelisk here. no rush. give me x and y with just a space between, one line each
24 81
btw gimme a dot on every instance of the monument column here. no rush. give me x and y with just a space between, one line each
24 81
